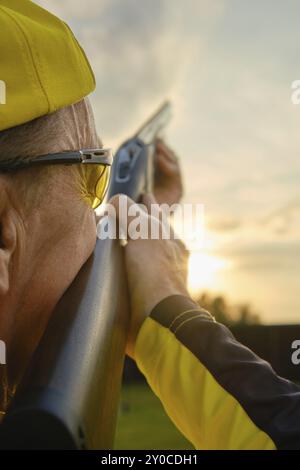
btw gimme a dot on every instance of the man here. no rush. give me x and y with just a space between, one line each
47 221
218 393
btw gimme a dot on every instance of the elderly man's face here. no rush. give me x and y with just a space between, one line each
47 233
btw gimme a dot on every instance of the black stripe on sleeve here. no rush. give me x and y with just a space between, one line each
273 403
172 311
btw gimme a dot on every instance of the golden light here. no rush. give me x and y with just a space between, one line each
203 270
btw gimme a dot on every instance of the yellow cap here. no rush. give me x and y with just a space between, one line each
42 66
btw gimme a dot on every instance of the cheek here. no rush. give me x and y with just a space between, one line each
89 236
73 253
69 260
54 274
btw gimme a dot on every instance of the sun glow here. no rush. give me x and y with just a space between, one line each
204 270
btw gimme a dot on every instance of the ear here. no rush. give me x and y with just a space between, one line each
7 244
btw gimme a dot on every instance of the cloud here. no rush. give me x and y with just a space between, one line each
284 220
73 9
138 50
222 224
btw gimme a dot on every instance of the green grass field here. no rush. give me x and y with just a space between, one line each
143 423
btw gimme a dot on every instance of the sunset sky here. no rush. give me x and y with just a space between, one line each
227 66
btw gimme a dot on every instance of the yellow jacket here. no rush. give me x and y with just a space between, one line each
218 393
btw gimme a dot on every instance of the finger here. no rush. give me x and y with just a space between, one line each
148 200
115 201
152 206
155 210
166 166
165 150
126 211
124 205
167 163
162 157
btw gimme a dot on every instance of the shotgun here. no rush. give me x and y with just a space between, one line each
69 396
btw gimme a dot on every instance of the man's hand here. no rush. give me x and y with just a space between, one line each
156 269
168 187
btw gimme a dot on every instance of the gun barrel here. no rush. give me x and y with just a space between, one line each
155 125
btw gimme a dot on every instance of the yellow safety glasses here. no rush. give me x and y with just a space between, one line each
95 167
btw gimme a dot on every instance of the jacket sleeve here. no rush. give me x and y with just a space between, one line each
218 393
